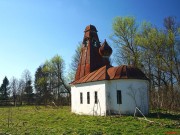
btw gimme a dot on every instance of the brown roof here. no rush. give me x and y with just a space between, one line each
112 73
105 49
97 75
125 72
90 27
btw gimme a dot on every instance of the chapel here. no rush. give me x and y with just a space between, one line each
101 89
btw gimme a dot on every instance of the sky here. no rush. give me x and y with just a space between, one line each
33 31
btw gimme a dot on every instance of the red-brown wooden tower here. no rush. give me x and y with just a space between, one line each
91 58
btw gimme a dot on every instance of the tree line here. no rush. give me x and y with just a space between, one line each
49 86
17 92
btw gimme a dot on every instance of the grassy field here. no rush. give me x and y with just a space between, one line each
55 121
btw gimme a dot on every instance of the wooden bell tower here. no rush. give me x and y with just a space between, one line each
90 59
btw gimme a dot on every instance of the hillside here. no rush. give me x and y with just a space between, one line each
48 120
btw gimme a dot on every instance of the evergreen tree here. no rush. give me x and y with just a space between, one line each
4 90
29 92
43 95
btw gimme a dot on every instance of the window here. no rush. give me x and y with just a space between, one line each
119 98
95 97
85 43
88 98
81 97
94 42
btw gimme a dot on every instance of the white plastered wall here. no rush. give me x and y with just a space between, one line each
134 94
92 108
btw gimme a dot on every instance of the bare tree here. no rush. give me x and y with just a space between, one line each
14 89
20 90
133 94
74 63
28 91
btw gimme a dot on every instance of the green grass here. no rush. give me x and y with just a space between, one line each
49 121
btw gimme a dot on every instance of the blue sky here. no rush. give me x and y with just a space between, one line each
32 31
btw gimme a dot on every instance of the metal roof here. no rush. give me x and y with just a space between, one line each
105 50
91 27
112 73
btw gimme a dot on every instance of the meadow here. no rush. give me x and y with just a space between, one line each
33 120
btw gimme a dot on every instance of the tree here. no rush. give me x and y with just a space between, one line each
14 88
28 90
152 41
43 94
38 87
20 90
4 90
57 67
74 63
50 82
124 33
173 53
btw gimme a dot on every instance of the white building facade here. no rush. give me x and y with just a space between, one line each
110 97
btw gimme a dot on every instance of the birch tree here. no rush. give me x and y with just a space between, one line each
124 33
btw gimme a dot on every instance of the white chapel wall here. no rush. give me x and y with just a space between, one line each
92 108
134 93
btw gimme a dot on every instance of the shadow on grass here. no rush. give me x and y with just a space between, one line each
161 115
